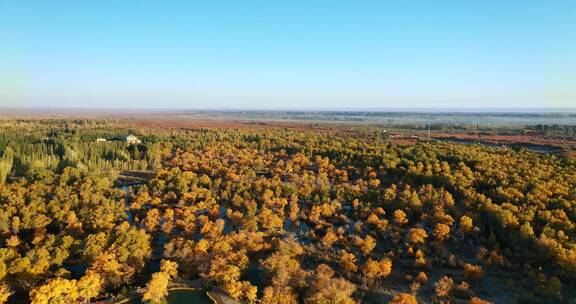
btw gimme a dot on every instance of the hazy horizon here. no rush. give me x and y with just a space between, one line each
480 110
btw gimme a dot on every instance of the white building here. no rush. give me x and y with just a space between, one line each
132 140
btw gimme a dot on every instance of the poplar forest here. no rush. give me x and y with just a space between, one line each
278 216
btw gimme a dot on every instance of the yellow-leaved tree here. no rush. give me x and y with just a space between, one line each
5 293
375 270
157 288
63 291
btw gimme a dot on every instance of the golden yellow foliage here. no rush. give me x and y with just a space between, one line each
348 261
465 224
422 277
157 288
5 293
327 289
63 291
444 286
441 232
13 241
404 298
169 267
274 295
420 258
417 236
476 300
108 267
400 217
473 272
90 285
222 200
55 291
374 270
366 245
329 238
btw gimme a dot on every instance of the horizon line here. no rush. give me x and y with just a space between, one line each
531 110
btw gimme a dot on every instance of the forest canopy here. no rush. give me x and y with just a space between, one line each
279 215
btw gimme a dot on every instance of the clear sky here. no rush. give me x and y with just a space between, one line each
288 54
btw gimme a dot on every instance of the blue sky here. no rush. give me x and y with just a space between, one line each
288 54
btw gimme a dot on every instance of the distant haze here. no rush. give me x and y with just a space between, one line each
383 118
312 55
